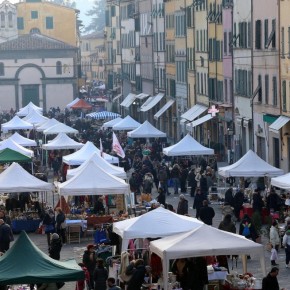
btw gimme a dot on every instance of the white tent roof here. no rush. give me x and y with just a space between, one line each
146 130
187 146
93 180
8 143
111 123
20 140
128 123
16 124
47 124
80 156
60 128
250 165
62 141
101 162
282 181
27 109
157 223
204 241
68 106
17 179
35 117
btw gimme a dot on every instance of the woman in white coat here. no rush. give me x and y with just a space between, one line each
274 235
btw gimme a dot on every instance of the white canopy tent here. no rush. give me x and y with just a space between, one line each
47 124
146 130
9 143
80 156
250 165
282 181
62 141
27 109
20 140
93 180
60 128
111 123
157 223
128 123
16 124
35 117
204 241
17 179
68 106
101 162
187 146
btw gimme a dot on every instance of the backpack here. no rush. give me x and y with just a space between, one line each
246 231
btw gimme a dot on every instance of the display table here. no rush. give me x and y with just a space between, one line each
217 275
25 225
248 209
82 223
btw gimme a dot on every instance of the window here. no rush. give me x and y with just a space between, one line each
20 23
266 32
260 90
49 22
266 89
34 14
273 33
284 96
282 42
2 20
34 31
10 19
225 43
275 99
2 71
58 68
258 34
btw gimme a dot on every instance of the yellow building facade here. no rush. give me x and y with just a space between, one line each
49 19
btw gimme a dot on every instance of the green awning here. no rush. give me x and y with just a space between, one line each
269 118
9 155
25 263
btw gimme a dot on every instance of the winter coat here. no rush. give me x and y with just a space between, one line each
60 218
270 283
191 179
90 263
100 278
274 236
182 207
227 227
257 202
199 198
137 278
206 214
229 198
55 248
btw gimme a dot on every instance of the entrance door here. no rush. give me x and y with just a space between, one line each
30 93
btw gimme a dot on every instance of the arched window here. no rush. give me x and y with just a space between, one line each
10 19
58 68
2 20
34 31
2 69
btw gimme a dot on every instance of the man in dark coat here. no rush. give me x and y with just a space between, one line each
257 201
191 181
238 202
270 282
55 247
182 207
197 204
207 213
6 236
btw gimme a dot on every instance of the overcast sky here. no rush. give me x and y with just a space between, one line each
82 5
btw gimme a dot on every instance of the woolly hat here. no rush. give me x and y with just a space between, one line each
54 236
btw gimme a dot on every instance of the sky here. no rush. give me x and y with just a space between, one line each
82 5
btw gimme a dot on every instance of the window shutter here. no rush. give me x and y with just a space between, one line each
258 34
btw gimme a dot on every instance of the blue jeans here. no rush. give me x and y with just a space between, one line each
175 185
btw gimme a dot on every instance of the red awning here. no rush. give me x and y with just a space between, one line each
81 104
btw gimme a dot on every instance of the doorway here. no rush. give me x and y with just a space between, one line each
30 93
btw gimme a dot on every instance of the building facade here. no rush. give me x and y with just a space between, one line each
8 21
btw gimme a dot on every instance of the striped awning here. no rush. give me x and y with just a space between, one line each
103 115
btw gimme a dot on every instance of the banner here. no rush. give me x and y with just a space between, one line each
117 147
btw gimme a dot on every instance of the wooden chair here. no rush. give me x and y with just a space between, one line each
74 234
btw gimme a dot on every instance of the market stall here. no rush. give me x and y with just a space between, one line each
46 124
68 106
111 123
9 143
60 128
16 124
146 130
62 141
187 146
16 179
35 117
80 156
282 181
128 123
27 109
207 241
25 263
98 161
154 224
20 140
103 115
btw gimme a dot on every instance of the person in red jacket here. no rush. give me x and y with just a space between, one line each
81 285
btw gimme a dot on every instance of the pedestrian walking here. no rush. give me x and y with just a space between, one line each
6 236
55 247
270 282
286 244
207 213
182 207
197 204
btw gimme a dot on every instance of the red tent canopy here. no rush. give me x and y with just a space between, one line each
81 104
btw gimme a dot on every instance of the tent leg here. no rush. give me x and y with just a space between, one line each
244 261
